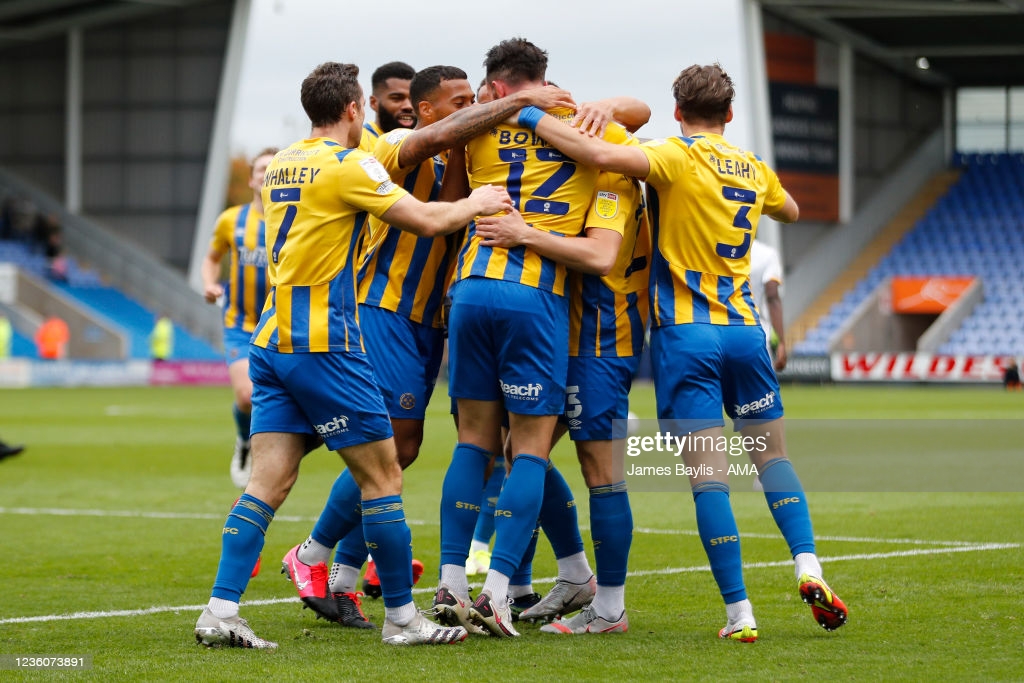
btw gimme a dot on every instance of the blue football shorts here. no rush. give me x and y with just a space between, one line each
700 368
597 397
236 344
508 342
331 394
406 357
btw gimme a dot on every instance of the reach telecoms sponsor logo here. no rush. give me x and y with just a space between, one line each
252 257
755 407
334 426
521 392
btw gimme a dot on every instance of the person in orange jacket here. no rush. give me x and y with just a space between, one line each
52 339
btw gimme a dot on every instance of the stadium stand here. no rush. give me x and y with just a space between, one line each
86 287
21 345
974 229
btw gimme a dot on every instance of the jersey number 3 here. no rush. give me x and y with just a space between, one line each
746 198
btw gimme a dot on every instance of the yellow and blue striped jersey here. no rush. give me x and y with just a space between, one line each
241 232
608 314
705 197
551 190
317 195
402 272
371 133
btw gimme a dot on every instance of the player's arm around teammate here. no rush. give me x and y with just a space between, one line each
432 219
592 117
468 122
630 160
593 253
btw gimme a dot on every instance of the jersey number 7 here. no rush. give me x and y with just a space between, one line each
514 183
288 194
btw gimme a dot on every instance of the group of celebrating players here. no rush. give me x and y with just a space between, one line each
524 212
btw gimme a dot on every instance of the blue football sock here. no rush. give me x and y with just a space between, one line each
785 496
351 550
523 575
341 513
717 528
241 543
243 422
388 536
515 518
611 528
485 521
460 501
558 515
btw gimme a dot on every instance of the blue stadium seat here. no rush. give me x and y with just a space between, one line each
138 322
88 289
976 228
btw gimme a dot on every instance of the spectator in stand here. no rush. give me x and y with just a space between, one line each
40 232
52 339
57 270
53 248
161 339
6 336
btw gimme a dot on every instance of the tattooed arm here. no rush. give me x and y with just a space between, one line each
466 124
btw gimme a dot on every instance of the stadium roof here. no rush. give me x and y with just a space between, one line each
23 21
966 42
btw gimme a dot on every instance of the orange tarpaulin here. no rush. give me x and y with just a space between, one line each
927 294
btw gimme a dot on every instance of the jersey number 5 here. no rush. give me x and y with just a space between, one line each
747 198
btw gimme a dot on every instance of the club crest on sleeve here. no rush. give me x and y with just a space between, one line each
374 169
397 134
607 204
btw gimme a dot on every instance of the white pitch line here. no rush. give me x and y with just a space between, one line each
135 411
838 539
978 547
152 514
549 579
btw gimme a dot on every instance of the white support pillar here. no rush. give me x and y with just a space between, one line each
847 132
767 230
215 179
73 124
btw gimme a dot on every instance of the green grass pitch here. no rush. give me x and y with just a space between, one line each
116 509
